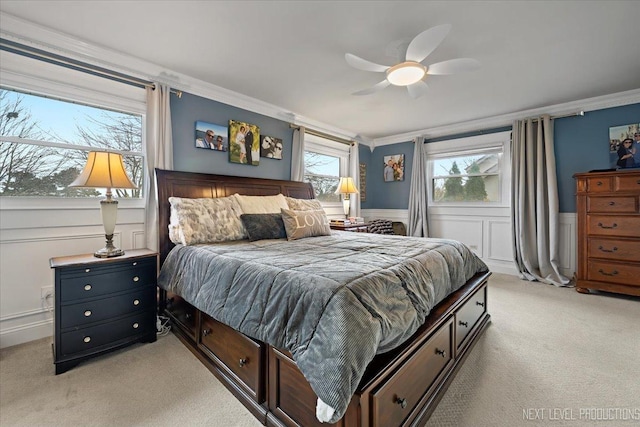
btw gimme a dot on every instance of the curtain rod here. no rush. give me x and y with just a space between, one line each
52 58
560 116
323 135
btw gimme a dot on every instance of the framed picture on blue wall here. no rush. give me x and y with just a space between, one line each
394 167
624 146
271 147
211 137
244 146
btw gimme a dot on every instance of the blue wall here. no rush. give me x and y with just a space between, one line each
388 195
189 109
581 145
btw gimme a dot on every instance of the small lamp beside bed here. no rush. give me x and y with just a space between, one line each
105 170
346 187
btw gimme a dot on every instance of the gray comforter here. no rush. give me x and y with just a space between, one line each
333 301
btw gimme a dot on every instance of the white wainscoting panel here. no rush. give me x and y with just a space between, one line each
28 239
465 230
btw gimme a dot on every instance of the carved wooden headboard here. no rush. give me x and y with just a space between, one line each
195 185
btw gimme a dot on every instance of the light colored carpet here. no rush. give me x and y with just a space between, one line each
549 352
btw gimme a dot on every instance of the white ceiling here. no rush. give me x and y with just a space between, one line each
291 53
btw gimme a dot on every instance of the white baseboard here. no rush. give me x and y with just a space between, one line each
26 332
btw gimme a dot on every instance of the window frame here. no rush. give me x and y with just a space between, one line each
494 142
327 147
35 77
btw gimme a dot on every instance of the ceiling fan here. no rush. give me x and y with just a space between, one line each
411 72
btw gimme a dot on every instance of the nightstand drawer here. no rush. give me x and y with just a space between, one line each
95 282
109 333
94 311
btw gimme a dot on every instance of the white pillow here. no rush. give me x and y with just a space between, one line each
207 220
303 204
261 204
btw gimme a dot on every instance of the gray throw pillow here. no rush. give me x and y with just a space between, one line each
263 226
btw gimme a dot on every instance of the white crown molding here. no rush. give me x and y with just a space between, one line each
589 104
40 37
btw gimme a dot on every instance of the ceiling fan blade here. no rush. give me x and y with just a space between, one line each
417 89
426 42
454 66
375 88
363 64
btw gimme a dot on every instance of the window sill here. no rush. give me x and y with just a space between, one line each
58 203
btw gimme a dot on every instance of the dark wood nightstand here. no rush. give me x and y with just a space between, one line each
102 304
358 228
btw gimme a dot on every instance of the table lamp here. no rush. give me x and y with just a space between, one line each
346 187
104 169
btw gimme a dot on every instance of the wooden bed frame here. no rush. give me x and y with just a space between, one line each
401 387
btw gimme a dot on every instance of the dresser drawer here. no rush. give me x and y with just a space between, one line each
109 333
598 184
467 316
95 282
239 353
395 400
602 271
614 249
609 225
620 204
627 183
107 308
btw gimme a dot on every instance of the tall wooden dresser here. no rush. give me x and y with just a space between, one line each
608 209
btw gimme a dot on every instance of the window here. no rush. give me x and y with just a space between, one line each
469 171
325 161
467 177
44 144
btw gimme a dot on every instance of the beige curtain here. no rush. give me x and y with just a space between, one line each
354 172
418 225
534 202
159 151
297 155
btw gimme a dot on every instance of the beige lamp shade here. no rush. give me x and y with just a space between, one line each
103 170
347 186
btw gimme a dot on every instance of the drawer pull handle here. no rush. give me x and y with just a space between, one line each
187 316
612 203
480 303
402 402
136 278
87 270
136 301
242 362
87 313
86 339
135 263
206 332
607 250
607 226
613 273
441 352
465 324
599 183
135 325
87 287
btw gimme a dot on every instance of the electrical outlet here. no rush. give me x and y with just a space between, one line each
46 292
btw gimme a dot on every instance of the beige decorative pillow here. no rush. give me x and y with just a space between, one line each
300 224
303 204
261 204
196 221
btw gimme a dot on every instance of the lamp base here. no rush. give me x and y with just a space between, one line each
109 250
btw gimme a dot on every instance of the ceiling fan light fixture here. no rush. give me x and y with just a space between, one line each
406 73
